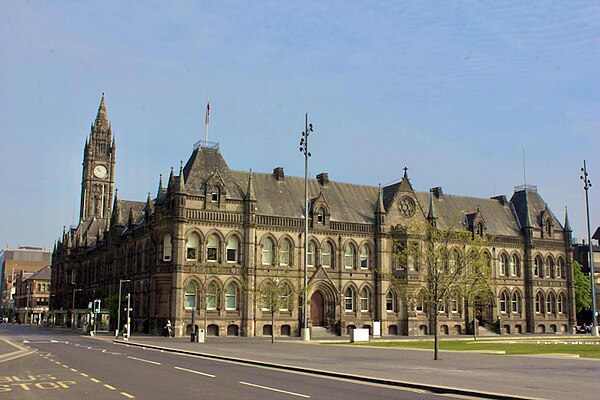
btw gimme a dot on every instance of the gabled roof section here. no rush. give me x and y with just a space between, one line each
528 198
203 163
44 273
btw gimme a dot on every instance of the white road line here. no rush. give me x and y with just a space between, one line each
195 372
127 395
147 361
276 390
109 387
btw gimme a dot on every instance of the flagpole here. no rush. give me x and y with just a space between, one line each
206 121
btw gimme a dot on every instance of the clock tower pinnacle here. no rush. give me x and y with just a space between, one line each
99 157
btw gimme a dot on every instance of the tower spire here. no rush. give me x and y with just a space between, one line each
567 224
160 186
432 213
102 116
380 207
250 190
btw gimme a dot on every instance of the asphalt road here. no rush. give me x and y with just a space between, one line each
67 366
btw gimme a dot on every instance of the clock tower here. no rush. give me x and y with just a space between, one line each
99 156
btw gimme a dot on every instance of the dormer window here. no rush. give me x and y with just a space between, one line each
548 228
214 194
321 216
479 230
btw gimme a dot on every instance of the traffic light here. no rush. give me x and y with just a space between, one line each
97 305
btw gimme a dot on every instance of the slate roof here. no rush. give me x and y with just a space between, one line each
355 203
44 273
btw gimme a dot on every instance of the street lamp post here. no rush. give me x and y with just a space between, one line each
586 185
119 307
27 306
73 319
308 128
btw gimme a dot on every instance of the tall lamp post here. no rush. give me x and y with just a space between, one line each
586 185
73 319
119 307
308 128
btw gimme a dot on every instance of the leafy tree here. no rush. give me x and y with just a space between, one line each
451 269
583 288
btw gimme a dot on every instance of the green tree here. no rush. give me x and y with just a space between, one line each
583 288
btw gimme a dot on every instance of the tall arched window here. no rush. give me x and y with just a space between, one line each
560 268
349 300
215 193
191 247
231 297
310 255
349 256
212 296
503 302
538 267
284 253
539 303
516 303
390 302
364 300
550 304
267 252
190 296
285 298
212 248
326 254
167 248
266 297
364 257
232 249
503 264
562 301
514 265
550 267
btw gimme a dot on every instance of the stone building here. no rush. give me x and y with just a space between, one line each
224 248
32 296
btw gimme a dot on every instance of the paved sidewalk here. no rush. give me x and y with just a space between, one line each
545 377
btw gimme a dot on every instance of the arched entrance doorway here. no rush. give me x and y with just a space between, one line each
317 309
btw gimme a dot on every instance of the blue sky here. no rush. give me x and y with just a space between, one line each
452 90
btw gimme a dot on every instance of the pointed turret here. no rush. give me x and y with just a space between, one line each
116 214
250 189
567 224
130 220
171 179
432 213
181 178
405 182
160 186
380 209
102 116
149 209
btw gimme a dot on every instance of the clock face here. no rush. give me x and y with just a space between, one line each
407 207
100 171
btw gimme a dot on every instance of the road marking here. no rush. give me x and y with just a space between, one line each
73 369
195 372
128 395
65 366
110 387
94 380
275 390
146 361
82 374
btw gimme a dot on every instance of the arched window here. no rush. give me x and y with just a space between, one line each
167 248
514 265
364 257
364 300
419 303
562 301
39 287
503 264
285 298
390 302
267 252
326 254
191 247
231 297
503 302
480 229
550 267
560 268
212 249
212 296
538 267
284 253
310 255
349 300
550 304
43 287
516 303
232 249
349 256
321 216
190 296
539 303
548 227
